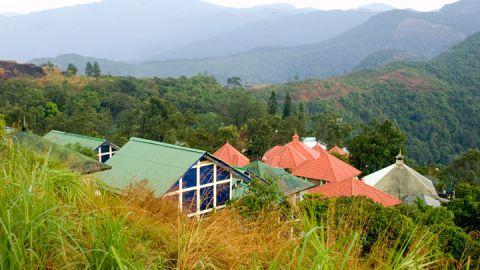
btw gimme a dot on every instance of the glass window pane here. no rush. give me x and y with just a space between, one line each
105 158
190 178
206 197
105 148
189 201
206 174
223 193
222 174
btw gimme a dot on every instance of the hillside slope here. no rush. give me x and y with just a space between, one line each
426 34
436 103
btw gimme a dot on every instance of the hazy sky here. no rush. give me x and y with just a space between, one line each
25 6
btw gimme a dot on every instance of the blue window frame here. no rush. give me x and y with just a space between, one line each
223 193
222 174
190 178
189 201
206 198
206 174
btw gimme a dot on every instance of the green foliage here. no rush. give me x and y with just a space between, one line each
83 150
376 146
71 70
287 106
466 207
96 72
464 169
331 129
234 82
260 196
272 104
89 69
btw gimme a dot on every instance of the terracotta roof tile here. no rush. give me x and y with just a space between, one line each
339 151
231 156
327 168
289 156
353 187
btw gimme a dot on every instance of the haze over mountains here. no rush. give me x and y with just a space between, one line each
266 44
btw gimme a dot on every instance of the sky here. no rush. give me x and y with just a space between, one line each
26 6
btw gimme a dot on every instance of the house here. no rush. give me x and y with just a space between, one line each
339 151
352 187
103 147
76 161
195 179
231 156
404 183
293 187
290 155
325 169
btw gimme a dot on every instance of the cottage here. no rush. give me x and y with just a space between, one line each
352 187
289 156
325 169
231 156
103 147
197 180
293 187
404 183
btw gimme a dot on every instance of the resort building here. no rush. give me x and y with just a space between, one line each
195 179
102 147
352 187
293 187
312 142
231 156
404 183
339 151
325 169
290 155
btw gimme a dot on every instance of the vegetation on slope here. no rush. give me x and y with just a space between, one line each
51 218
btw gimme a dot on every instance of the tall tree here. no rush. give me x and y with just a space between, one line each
287 106
89 70
234 82
72 70
376 146
96 72
272 104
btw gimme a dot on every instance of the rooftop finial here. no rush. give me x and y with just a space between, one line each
400 158
296 137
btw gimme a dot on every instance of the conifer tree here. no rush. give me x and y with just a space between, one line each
287 106
89 70
96 70
272 104
72 70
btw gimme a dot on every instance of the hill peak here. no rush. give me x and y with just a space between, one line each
377 7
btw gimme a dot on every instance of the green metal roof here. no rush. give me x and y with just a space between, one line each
77 162
160 163
287 183
64 138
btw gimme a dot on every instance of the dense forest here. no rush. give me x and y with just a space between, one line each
435 103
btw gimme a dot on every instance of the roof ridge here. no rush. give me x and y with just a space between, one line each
136 139
78 135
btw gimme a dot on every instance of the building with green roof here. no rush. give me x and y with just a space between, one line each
292 186
76 161
104 149
198 181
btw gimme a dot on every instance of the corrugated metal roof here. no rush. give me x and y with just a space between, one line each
160 163
77 162
64 138
287 183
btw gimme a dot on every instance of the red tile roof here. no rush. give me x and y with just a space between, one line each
289 156
339 151
231 156
327 168
353 187
319 149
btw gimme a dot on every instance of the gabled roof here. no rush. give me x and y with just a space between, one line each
339 151
76 161
351 187
320 149
160 163
327 168
289 156
232 156
64 138
287 183
401 181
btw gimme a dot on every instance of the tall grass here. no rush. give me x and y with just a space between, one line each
51 218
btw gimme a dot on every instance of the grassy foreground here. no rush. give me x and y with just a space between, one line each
51 218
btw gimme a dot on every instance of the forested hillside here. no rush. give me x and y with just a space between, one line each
436 103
